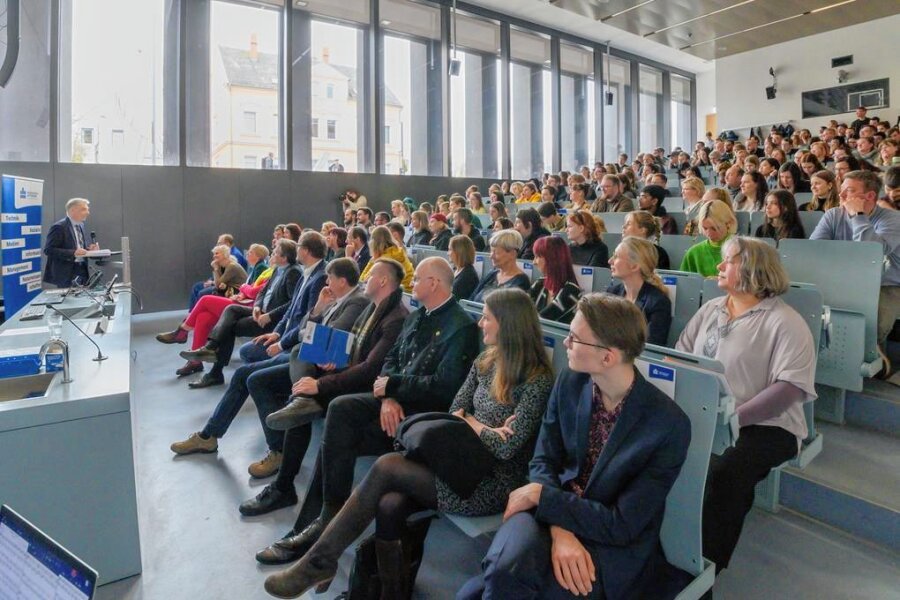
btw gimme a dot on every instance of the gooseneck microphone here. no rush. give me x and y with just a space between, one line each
99 356
93 237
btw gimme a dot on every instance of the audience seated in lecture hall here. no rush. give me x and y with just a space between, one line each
566 532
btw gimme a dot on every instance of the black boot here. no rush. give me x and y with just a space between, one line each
393 570
318 566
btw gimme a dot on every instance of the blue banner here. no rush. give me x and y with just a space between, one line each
20 240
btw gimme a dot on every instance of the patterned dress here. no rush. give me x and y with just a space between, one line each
511 471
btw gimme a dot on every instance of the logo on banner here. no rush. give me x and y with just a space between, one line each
29 254
30 192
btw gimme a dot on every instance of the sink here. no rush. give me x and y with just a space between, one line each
26 386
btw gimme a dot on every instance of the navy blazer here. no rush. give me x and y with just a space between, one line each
655 305
305 298
60 247
363 258
619 517
280 300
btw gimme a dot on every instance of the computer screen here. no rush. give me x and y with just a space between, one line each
33 566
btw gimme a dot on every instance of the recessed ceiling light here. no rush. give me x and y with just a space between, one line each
385 22
301 3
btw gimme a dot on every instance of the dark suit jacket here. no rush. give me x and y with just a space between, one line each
465 283
305 297
281 297
375 346
655 305
363 259
60 247
619 517
342 318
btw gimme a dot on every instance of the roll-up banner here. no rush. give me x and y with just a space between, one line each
20 240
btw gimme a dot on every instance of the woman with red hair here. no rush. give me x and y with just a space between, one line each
556 294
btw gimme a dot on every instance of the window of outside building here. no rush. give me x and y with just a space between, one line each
617 112
245 86
531 127
412 85
577 106
314 131
387 135
332 130
680 89
125 94
329 91
650 108
87 136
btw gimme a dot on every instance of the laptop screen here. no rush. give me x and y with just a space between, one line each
33 566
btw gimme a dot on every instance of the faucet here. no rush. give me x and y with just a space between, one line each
57 344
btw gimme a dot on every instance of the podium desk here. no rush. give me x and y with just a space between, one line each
66 457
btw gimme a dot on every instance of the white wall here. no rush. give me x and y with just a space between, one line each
804 65
706 99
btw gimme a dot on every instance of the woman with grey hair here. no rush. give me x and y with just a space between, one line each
505 246
767 350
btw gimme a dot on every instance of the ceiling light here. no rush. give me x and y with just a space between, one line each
385 22
301 3
622 12
709 14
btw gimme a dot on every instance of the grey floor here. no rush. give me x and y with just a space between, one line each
195 544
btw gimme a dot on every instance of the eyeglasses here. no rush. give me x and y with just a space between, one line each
417 279
572 339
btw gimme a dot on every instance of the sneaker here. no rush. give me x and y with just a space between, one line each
179 336
196 444
267 467
299 411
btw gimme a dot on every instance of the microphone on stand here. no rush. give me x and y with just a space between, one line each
93 237
99 356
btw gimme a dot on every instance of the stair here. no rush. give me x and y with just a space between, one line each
854 483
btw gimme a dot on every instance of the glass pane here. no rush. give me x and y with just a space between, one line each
410 107
531 127
474 110
111 114
577 106
650 109
617 111
245 88
335 65
681 112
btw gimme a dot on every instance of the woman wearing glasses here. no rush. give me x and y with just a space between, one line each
769 359
589 523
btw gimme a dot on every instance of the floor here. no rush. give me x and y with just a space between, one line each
196 545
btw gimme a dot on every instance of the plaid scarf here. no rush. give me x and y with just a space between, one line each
367 322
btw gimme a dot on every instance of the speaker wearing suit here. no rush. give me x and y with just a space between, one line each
66 245
610 448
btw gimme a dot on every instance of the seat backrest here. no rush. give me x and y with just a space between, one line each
482 264
802 197
743 222
697 392
673 204
810 219
614 220
612 240
848 274
676 246
757 218
685 292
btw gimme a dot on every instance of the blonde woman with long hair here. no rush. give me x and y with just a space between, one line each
642 224
383 245
633 263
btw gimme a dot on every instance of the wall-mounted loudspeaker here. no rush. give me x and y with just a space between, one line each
770 92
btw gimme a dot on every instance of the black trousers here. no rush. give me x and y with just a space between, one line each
352 429
236 321
731 486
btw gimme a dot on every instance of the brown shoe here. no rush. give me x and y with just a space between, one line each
189 368
195 444
266 467
179 336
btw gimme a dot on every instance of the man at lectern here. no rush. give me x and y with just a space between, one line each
66 246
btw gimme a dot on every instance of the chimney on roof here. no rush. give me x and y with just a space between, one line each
326 55
254 47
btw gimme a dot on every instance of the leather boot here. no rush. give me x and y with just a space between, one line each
318 566
393 570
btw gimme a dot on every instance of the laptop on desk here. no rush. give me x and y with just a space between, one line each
35 567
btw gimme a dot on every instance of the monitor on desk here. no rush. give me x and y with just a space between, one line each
34 566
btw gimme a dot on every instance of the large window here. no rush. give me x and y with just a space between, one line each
110 81
475 100
651 108
577 106
245 86
25 99
336 67
681 112
531 119
617 112
412 84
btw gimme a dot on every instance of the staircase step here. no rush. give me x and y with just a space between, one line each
877 407
853 484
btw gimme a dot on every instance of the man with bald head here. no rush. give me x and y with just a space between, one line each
421 373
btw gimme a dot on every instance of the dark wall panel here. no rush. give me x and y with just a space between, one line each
153 200
211 207
265 200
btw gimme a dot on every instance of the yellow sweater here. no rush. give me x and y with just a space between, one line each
535 198
399 254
